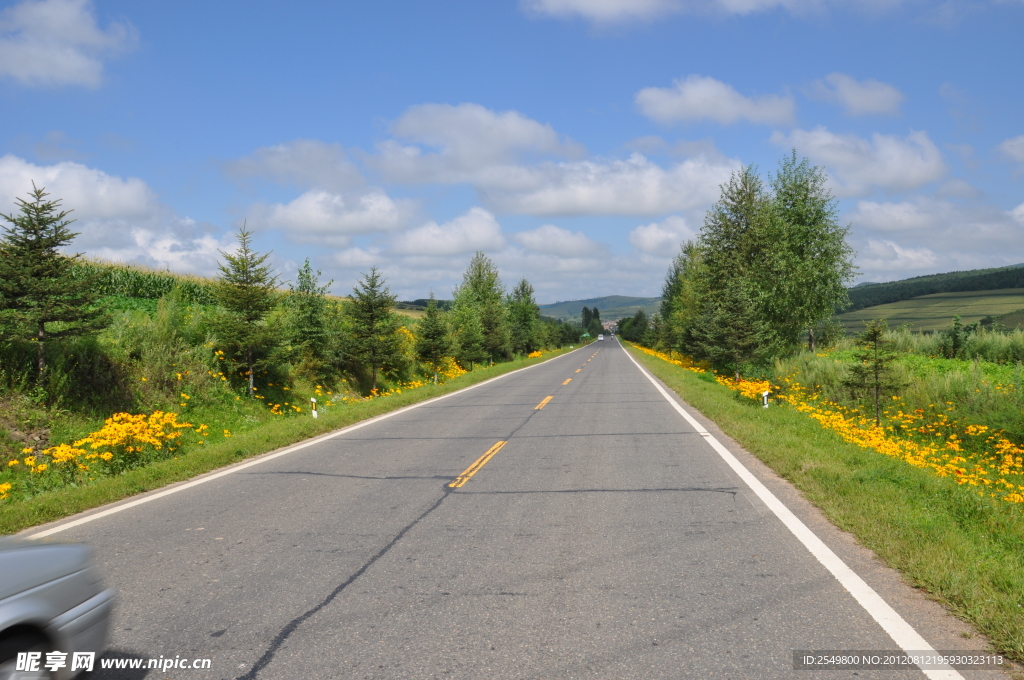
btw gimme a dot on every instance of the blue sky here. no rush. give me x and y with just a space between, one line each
577 142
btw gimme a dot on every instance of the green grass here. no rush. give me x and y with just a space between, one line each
270 435
966 551
935 312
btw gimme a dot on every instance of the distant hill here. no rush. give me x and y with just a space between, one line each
872 294
936 312
612 307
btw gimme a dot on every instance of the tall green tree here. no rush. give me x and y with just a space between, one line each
524 318
585 316
482 290
738 256
309 318
469 337
39 300
433 337
814 261
374 325
246 290
681 296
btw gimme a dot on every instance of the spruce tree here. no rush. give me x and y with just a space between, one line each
246 290
873 373
374 326
524 318
433 341
469 337
309 318
482 290
39 300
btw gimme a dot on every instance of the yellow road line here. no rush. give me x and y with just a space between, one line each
475 467
542 404
567 381
578 370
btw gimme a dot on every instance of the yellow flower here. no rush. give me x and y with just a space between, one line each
28 450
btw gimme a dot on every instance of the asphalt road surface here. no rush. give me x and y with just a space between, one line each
604 539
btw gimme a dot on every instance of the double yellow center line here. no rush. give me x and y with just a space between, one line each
475 467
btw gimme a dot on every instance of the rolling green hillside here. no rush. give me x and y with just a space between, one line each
975 280
935 312
612 307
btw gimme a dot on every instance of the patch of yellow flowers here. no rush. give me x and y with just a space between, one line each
972 455
125 441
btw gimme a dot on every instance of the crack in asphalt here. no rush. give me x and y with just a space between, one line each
293 625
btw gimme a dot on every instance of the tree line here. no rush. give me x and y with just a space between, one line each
48 297
766 273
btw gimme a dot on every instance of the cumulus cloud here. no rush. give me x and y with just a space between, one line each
307 163
703 98
888 256
858 166
924 233
455 143
1013 148
602 11
858 98
554 240
320 216
117 219
474 230
622 11
58 42
633 186
660 238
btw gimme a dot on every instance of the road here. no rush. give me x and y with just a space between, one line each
605 538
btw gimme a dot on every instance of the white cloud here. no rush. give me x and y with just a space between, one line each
554 240
661 238
859 98
453 144
603 11
1013 148
888 256
1018 214
117 219
307 163
324 217
634 186
701 97
622 11
474 230
357 258
925 234
857 166
58 42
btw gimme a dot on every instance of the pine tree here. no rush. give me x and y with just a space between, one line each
433 341
524 318
482 290
469 337
873 372
246 290
374 326
309 318
39 300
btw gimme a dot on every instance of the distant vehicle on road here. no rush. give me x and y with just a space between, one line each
53 608
600 337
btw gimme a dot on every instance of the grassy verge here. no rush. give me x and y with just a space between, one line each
967 551
268 436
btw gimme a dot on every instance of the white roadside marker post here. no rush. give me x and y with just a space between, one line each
764 398
312 407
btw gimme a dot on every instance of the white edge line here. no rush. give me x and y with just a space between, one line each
265 457
902 633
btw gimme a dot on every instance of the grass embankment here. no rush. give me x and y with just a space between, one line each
966 550
269 435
